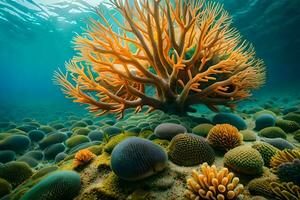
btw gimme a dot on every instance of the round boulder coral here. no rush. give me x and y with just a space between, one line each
248 135
245 160
263 121
137 158
202 129
266 150
58 185
224 137
272 132
229 118
190 149
287 125
168 130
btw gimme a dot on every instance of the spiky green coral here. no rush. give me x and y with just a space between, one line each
244 159
261 186
58 185
266 150
189 149
15 172
288 126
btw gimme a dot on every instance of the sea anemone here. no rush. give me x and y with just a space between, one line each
212 183
186 52
224 137
83 157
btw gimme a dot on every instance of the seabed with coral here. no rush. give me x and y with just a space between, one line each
169 88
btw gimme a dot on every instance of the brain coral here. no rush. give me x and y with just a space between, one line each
190 149
191 56
287 125
137 158
57 185
244 159
224 137
213 184
15 172
289 172
272 132
266 150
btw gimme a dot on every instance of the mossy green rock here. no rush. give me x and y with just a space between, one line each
7 156
287 125
81 131
248 135
15 172
272 132
76 140
245 160
202 129
16 143
58 185
108 147
5 187
53 139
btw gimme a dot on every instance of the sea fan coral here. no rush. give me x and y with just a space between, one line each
185 51
82 157
284 156
224 137
213 184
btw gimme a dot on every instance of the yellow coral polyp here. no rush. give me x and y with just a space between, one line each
186 51
213 184
82 157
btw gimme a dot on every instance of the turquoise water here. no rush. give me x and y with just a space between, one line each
47 132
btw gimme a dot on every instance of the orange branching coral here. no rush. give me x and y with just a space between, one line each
82 157
212 183
186 51
224 137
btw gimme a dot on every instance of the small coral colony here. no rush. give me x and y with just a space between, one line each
165 57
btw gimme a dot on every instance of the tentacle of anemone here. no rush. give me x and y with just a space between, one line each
185 50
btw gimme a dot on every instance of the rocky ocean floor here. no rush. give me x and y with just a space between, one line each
250 153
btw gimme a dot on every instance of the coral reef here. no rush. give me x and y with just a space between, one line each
186 51
212 183
190 149
261 186
284 156
266 150
285 191
224 137
245 160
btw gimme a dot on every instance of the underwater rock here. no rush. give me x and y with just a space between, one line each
57 185
83 146
53 139
245 160
81 131
137 158
59 157
78 124
36 135
248 135
230 118
278 143
95 135
5 187
26 128
266 150
32 162
210 182
289 172
272 132
224 137
263 121
113 141
16 143
51 151
15 172
36 154
293 116
168 130
7 156
297 135
46 129
202 129
287 125
112 130
263 112
190 149
42 172
76 140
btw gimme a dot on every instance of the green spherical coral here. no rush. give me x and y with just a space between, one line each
266 150
5 187
58 185
245 160
190 149
272 132
15 172
76 140
287 125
